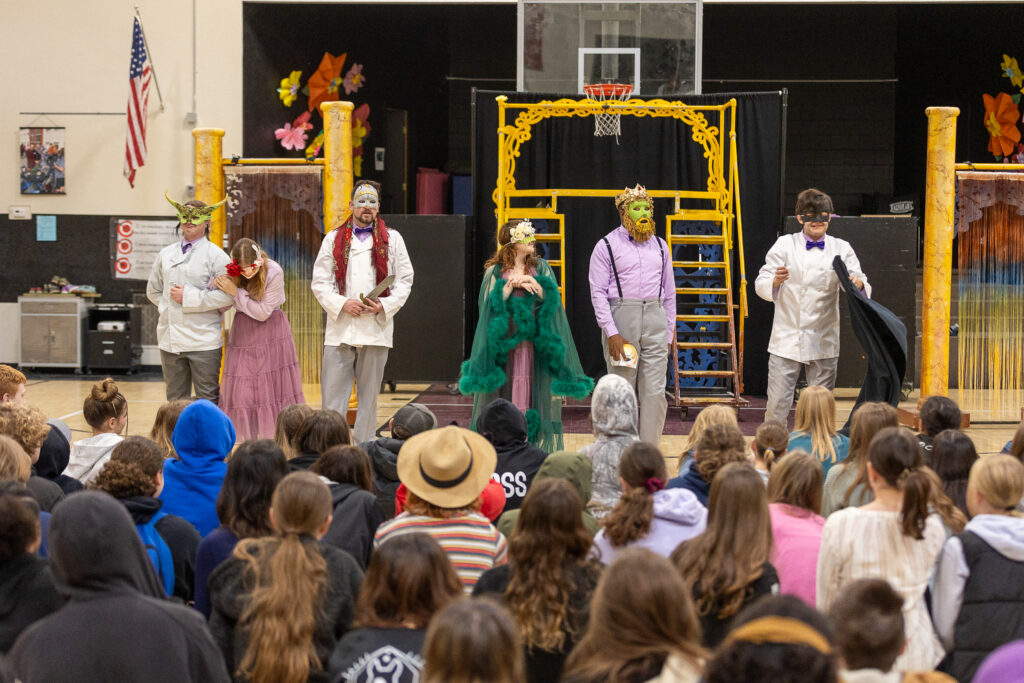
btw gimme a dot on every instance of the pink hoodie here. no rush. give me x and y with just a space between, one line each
795 551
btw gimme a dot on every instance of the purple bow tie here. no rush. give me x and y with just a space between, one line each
362 231
812 245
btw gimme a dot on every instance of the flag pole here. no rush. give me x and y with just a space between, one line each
152 67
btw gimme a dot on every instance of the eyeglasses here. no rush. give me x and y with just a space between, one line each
816 217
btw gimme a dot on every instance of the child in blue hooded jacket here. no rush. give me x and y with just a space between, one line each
202 438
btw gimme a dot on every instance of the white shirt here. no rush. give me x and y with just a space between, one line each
360 278
195 323
806 323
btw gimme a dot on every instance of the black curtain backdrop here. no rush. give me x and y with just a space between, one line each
658 153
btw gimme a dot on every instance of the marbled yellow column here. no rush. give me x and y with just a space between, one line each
940 177
210 176
337 162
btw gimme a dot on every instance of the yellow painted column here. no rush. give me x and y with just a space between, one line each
337 162
940 180
209 174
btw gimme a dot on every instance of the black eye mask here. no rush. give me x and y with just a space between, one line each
822 217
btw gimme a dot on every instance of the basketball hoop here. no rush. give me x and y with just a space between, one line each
607 123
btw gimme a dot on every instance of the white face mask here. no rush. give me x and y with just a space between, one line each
366 198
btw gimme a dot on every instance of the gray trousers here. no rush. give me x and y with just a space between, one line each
365 365
183 370
643 324
783 374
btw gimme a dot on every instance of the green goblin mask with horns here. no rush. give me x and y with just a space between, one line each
195 215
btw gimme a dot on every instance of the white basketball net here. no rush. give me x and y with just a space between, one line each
608 123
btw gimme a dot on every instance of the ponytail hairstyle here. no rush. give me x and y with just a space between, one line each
896 458
288 575
771 442
244 252
132 469
941 504
999 480
816 416
797 481
288 422
163 426
642 467
869 419
103 403
549 542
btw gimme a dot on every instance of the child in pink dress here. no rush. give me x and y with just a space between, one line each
261 369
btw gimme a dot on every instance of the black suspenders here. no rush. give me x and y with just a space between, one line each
615 271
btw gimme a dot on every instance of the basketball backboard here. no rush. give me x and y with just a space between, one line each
655 46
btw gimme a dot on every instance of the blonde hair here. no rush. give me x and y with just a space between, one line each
999 479
816 416
163 425
15 464
712 415
24 423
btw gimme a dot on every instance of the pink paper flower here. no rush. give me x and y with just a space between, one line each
354 79
293 135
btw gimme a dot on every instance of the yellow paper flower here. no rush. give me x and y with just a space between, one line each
1001 116
357 165
1012 71
289 89
358 133
313 148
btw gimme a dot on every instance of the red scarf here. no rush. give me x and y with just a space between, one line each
343 244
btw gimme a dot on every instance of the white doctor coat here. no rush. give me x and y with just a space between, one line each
806 324
360 278
194 324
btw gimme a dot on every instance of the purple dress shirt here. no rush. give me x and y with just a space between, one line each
645 269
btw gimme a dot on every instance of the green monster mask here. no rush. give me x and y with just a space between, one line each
195 215
636 210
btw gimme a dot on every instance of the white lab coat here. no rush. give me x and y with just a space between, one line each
195 323
360 278
806 324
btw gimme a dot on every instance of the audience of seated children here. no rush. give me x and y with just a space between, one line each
613 413
504 425
952 456
794 504
815 428
409 420
574 468
355 516
318 432
720 445
471 641
54 456
106 411
1015 446
713 414
15 469
243 508
548 581
937 414
409 579
445 471
894 537
282 602
27 592
978 592
768 445
779 639
728 567
287 426
163 425
868 621
117 623
648 515
135 476
643 626
846 484
12 385
27 425
203 437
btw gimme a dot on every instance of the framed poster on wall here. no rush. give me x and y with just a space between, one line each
135 244
42 160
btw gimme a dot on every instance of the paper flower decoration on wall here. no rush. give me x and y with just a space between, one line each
354 79
293 135
289 89
360 129
1001 116
322 86
1012 71
313 148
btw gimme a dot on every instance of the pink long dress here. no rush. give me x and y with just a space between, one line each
520 363
261 368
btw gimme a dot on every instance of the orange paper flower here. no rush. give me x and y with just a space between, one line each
320 83
1001 116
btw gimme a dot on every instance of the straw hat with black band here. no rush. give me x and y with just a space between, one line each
447 467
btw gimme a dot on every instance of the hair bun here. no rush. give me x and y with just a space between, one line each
104 391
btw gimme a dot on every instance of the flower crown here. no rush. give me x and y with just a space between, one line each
234 269
523 233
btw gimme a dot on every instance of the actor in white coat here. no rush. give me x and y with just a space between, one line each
189 331
353 259
798 278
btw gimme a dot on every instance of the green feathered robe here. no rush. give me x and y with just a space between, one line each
504 324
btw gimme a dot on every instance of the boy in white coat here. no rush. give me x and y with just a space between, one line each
798 278
353 259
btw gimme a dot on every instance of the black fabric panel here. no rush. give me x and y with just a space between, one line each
656 152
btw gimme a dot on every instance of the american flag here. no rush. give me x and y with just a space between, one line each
139 77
